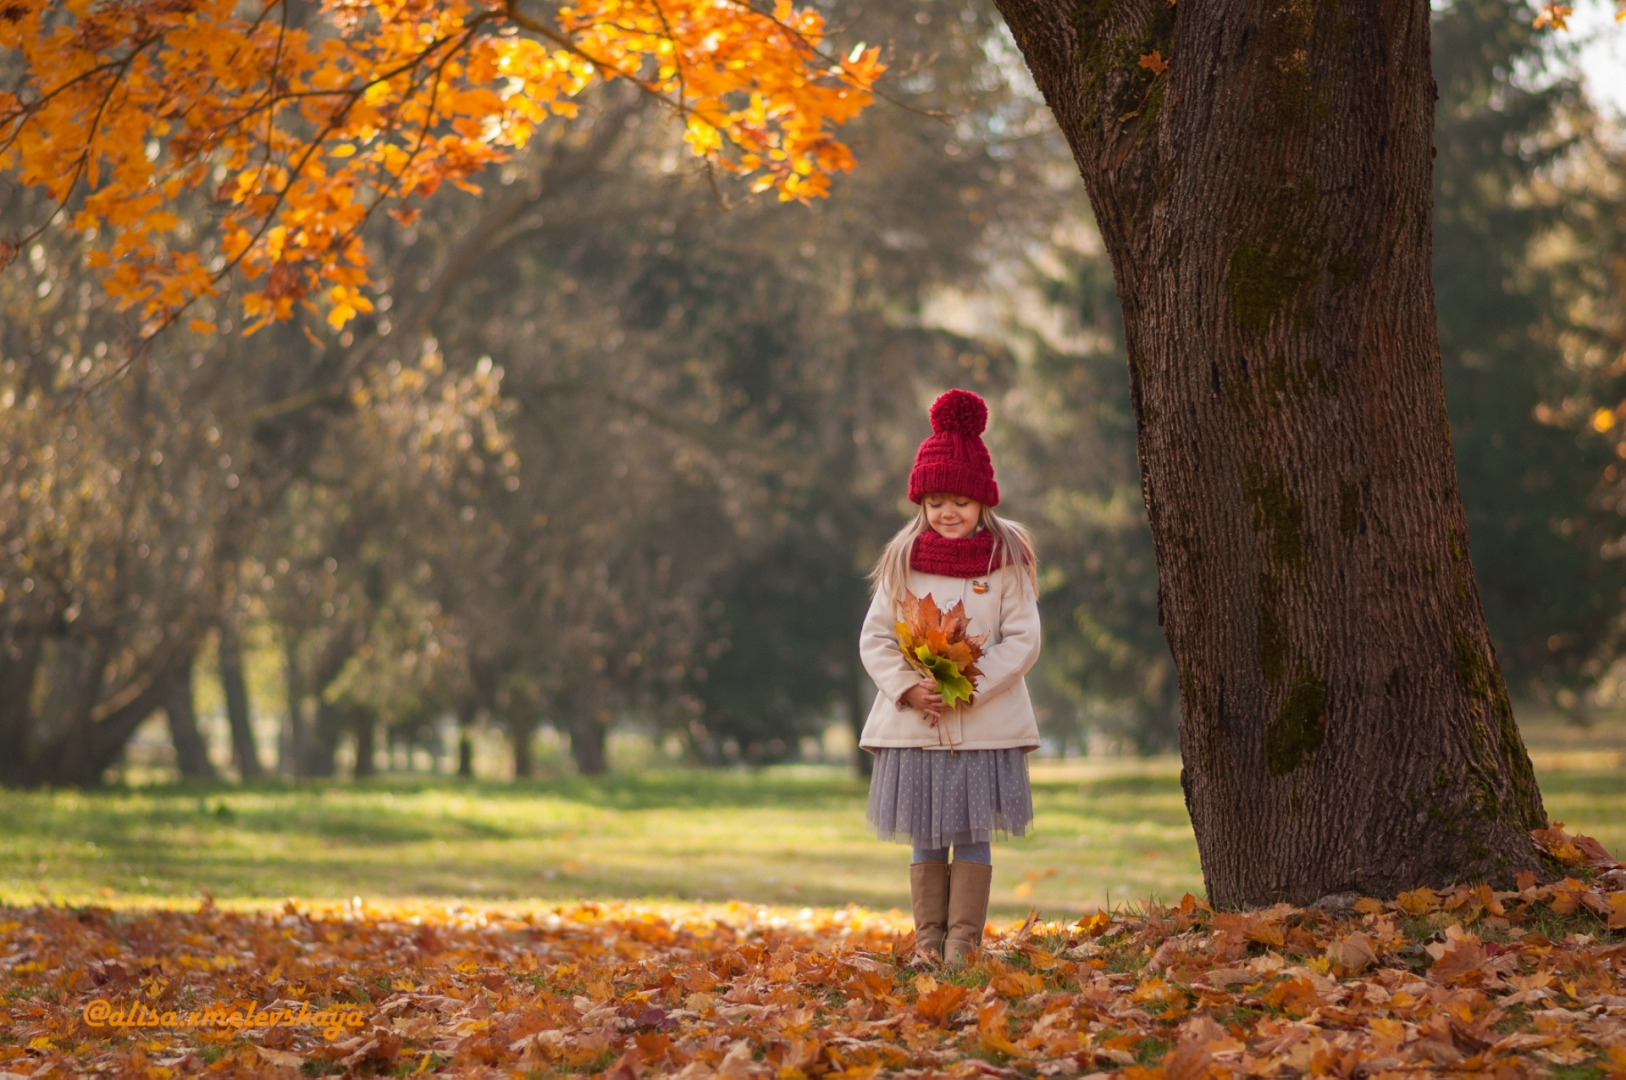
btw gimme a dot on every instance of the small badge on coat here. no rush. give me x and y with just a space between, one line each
979 587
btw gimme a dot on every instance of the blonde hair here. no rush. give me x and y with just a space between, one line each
890 578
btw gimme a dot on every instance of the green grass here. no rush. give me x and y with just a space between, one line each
1113 831
1592 801
786 836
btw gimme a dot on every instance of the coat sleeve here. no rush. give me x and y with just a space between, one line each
1003 664
878 648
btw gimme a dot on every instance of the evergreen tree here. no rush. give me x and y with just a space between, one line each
1549 594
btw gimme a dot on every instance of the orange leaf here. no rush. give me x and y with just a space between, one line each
1617 911
1353 954
936 1005
1094 925
1459 959
1296 996
1418 901
993 1028
1016 983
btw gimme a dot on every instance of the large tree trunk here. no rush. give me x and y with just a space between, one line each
243 751
1266 202
191 749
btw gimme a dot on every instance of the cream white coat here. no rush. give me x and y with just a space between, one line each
1002 713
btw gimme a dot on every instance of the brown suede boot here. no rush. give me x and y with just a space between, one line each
928 895
967 910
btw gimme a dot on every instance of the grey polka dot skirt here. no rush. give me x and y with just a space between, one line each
934 798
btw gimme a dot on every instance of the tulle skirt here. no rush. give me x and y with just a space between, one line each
934 798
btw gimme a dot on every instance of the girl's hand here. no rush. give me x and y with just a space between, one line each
924 696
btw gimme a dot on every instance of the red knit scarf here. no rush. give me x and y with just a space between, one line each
963 557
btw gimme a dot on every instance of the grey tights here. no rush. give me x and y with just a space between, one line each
978 853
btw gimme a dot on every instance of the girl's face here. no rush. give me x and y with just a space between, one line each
952 516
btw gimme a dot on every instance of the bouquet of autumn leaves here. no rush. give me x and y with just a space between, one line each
935 644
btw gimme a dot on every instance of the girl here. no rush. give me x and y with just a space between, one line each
953 778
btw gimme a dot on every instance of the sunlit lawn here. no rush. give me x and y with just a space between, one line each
1108 831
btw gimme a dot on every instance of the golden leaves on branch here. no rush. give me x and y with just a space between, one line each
1555 15
290 133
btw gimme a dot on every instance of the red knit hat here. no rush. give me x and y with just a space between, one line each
953 459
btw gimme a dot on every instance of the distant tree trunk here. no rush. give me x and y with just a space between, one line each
94 731
319 740
322 748
1157 724
19 670
191 750
858 688
366 727
230 657
69 758
1267 205
291 744
521 724
589 732
465 740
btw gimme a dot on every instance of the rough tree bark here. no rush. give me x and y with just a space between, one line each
1266 202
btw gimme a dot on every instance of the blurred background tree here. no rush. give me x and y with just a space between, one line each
1505 143
618 446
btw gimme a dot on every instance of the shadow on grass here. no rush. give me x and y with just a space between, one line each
361 810
677 834
774 836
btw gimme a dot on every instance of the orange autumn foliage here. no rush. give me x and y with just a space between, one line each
296 125
1465 981
1557 13
934 642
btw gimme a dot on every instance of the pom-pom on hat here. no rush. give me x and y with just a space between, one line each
953 459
